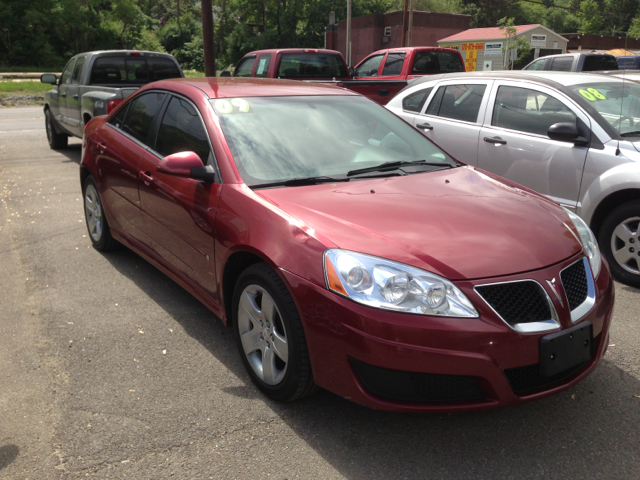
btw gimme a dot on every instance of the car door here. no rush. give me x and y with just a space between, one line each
514 141
63 93
179 213
245 66
453 115
121 144
74 116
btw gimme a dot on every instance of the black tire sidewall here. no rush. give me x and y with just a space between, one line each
265 277
615 218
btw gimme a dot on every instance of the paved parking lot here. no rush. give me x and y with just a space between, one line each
111 370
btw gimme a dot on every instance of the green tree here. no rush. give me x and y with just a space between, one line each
513 43
589 17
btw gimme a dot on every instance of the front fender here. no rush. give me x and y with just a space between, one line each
616 179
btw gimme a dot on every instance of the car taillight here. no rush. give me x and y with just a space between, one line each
111 104
134 54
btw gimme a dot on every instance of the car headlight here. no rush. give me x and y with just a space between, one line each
589 243
388 285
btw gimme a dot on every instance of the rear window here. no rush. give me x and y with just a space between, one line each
132 70
562 64
599 62
427 63
311 65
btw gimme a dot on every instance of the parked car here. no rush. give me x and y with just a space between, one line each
628 62
572 137
346 250
575 62
93 83
379 76
382 74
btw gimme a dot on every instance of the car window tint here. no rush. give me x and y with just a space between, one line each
310 65
427 63
263 65
415 101
65 79
599 62
245 67
182 130
393 64
528 110
562 64
141 115
434 106
537 65
461 102
369 68
118 119
75 78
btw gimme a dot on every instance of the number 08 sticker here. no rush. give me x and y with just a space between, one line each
592 94
225 106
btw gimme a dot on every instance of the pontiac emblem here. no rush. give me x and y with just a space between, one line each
556 289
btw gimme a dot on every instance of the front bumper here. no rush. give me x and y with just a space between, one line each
352 345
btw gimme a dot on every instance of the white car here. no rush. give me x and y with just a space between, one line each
573 137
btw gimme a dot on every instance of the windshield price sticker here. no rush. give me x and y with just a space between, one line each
592 94
234 105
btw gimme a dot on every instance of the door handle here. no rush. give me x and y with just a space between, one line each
495 140
425 126
102 146
383 92
145 177
75 97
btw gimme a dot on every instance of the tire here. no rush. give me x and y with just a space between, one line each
97 225
618 240
270 336
57 141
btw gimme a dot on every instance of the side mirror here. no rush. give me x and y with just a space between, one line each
566 132
225 73
186 165
49 78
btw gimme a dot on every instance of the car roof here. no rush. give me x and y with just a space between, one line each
229 87
294 50
552 78
409 49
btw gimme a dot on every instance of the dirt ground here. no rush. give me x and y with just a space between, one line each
21 101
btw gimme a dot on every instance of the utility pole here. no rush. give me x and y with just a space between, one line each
410 30
403 42
207 38
349 32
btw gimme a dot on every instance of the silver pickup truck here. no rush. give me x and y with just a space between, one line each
93 83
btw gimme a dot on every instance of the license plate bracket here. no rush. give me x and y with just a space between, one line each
562 350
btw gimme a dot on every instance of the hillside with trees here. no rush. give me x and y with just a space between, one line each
46 33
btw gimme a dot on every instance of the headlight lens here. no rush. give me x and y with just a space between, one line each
589 243
388 285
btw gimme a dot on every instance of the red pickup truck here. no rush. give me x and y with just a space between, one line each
379 76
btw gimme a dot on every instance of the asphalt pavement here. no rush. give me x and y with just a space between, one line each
109 369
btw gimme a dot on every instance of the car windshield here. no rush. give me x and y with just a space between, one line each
282 138
617 102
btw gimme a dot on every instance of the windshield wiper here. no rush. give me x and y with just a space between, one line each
299 182
635 133
396 165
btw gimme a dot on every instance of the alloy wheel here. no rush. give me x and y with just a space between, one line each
624 245
93 212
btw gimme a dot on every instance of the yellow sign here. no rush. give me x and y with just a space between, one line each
472 46
471 60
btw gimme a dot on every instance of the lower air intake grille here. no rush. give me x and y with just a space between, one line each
574 281
417 387
517 302
527 379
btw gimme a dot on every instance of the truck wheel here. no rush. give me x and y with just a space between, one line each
57 141
270 337
618 240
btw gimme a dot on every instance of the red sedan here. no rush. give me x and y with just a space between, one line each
345 249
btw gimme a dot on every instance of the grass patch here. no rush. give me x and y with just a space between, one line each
14 89
31 69
193 74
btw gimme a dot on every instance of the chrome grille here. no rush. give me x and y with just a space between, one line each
517 302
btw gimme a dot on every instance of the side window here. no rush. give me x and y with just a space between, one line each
263 65
141 115
458 102
369 68
528 110
245 67
182 130
118 119
393 64
66 74
538 64
415 101
562 64
77 71
434 106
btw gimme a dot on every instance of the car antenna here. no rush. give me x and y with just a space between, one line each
624 73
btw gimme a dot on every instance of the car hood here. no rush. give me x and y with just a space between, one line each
462 223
